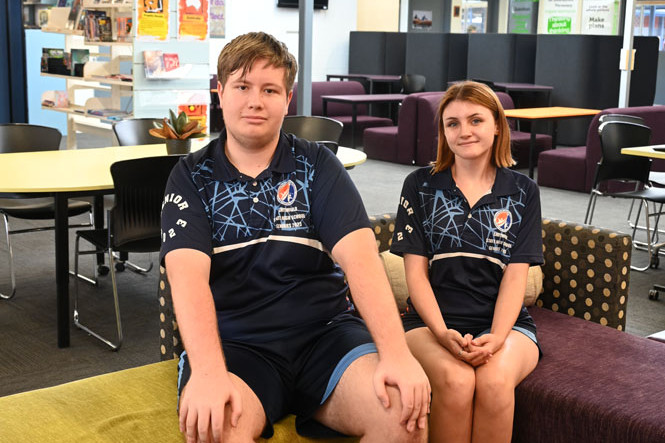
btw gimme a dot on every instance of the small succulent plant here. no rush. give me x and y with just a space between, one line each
180 127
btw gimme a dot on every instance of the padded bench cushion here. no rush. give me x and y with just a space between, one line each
593 384
133 405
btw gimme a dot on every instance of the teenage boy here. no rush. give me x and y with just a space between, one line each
255 229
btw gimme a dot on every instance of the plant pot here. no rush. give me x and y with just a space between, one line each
178 146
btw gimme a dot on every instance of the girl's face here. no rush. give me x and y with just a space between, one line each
469 129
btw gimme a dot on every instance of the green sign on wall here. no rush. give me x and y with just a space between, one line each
559 25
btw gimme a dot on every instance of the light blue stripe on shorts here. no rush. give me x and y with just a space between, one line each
350 357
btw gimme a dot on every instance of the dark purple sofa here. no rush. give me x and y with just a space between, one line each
574 168
340 111
398 144
593 384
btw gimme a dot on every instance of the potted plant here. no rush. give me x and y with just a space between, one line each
178 132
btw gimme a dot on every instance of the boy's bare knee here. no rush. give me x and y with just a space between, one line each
387 425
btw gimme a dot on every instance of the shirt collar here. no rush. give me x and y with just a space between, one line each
504 182
283 160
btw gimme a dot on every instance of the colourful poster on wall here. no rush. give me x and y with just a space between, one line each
153 19
559 17
192 19
217 19
600 17
522 16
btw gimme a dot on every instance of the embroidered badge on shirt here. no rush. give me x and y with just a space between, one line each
286 193
503 220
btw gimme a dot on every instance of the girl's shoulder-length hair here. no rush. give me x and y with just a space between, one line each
482 95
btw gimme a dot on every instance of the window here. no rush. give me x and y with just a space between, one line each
650 20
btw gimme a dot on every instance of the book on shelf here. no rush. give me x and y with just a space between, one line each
154 63
55 61
121 77
123 29
75 12
55 99
97 26
79 58
109 114
171 61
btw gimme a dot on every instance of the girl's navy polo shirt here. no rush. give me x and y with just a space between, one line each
268 237
469 248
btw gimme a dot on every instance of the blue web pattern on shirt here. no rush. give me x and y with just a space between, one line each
445 225
229 207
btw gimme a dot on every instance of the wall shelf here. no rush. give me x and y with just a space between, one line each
140 97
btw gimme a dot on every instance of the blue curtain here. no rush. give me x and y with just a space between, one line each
13 105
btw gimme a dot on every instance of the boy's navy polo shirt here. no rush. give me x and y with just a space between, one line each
469 248
269 237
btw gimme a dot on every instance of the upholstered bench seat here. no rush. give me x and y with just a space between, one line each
593 384
133 405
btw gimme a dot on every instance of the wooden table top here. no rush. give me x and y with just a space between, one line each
364 98
652 151
549 112
79 170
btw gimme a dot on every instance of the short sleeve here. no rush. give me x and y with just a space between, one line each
337 208
528 247
185 221
409 236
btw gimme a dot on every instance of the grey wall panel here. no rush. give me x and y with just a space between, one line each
427 54
524 69
565 62
458 51
644 78
367 52
491 57
659 98
395 44
583 69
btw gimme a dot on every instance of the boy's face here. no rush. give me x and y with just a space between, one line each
254 106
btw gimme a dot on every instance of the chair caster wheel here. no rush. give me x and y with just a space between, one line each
119 267
653 294
102 270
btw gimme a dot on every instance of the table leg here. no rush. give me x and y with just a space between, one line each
62 269
532 147
554 133
354 117
98 215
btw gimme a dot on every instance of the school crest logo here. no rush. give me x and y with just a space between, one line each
503 220
286 193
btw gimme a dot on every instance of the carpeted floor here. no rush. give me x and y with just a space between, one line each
31 358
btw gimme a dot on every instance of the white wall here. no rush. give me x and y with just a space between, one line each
331 28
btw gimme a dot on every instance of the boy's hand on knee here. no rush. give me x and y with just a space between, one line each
415 392
203 408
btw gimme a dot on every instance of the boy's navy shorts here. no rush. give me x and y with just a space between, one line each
295 375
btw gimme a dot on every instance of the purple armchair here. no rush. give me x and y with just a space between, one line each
399 143
574 168
340 111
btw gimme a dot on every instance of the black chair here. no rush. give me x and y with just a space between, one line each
313 128
134 131
413 83
133 222
20 137
655 177
614 166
